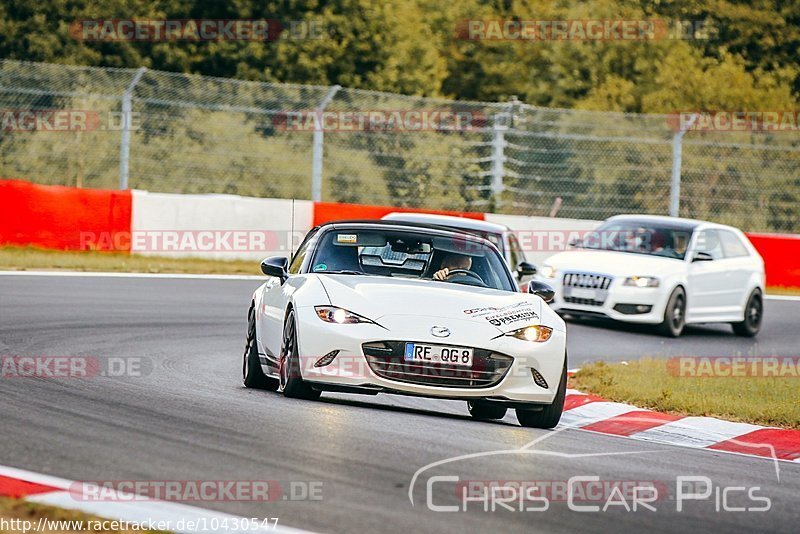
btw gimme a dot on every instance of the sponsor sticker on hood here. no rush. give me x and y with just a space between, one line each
505 315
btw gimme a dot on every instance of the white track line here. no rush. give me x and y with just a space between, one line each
88 274
124 509
782 297
103 274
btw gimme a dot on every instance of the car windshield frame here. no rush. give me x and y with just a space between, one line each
456 243
640 236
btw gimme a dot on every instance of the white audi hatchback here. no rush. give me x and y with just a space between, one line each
661 270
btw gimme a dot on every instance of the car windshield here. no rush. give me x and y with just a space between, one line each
495 239
640 237
407 254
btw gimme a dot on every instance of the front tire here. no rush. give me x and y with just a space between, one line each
674 314
484 411
252 374
550 415
753 313
293 384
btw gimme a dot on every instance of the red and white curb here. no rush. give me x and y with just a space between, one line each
594 414
52 491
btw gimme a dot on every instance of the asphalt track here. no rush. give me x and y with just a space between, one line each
189 418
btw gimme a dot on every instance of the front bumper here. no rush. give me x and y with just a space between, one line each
351 370
620 304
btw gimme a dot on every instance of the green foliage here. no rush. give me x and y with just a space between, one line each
223 140
411 47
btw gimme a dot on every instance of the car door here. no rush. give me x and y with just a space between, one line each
709 284
740 266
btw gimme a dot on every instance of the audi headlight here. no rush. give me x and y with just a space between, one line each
641 281
537 333
548 271
332 314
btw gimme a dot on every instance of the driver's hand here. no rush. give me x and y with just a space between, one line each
441 274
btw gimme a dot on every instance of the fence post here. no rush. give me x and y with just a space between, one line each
318 145
677 157
500 125
498 160
125 142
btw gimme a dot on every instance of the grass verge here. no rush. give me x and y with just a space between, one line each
780 290
30 258
22 516
648 383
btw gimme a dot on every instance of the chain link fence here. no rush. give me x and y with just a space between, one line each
184 133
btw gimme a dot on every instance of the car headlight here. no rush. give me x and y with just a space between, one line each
332 314
548 271
537 333
641 281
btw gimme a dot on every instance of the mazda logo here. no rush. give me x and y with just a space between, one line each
440 331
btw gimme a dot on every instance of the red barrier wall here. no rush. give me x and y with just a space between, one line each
68 218
58 217
781 253
335 211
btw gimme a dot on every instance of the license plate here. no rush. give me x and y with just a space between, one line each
583 293
423 353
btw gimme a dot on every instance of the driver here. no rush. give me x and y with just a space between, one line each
681 240
452 262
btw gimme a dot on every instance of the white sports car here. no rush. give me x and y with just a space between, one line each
661 270
395 307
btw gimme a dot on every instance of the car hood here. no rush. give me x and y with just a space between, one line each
376 297
616 264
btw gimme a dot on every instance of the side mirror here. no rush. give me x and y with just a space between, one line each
276 266
525 268
702 256
542 290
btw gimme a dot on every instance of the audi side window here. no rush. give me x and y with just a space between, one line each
732 246
709 242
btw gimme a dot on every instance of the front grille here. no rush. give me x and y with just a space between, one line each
386 359
575 283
